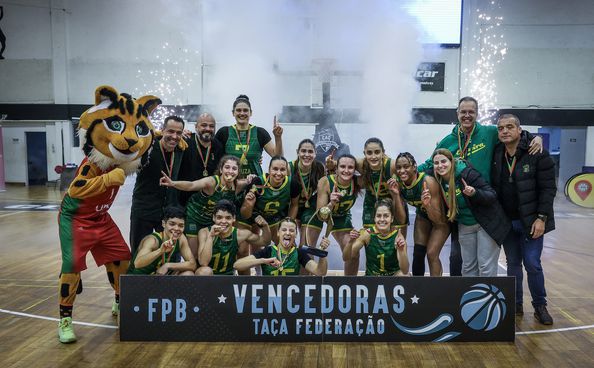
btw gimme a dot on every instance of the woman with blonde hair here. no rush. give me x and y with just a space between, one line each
469 199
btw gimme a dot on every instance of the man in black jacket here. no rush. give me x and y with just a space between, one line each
149 198
526 188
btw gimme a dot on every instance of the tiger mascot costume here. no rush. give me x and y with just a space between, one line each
115 134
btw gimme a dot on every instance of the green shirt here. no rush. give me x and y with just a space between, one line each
273 203
380 253
412 193
373 187
200 206
309 187
347 201
479 150
150 269
464 214
292 261
237 144
224 254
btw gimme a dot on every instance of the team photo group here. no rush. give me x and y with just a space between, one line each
203 205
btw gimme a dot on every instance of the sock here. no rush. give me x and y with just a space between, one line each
418 264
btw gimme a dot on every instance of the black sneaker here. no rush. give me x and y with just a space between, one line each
519 309
542 315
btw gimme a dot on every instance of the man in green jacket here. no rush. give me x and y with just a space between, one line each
475 143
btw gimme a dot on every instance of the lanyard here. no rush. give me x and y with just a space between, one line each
466 142
376 189
169 167
280 256
204 161
304 188
244 151
510 166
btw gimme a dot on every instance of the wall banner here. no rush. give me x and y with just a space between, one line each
431 76
316 309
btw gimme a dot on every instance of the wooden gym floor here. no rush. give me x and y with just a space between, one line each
30 263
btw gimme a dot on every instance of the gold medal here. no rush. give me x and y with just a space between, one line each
343 192
306 204
205 173
243 161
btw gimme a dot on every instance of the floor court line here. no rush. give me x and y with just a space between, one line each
20 314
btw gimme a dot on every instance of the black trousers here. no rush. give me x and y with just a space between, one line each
455 252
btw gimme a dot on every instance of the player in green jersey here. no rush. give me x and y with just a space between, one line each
285 258
219 243
377 172
273 196
377 169
209 191
308 173
385 247
159 253
336 196
431 229
246 141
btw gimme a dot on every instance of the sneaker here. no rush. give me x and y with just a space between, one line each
115 309
65 331
542 315
519 309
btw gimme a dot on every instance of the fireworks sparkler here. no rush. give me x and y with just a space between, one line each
491 53
174 74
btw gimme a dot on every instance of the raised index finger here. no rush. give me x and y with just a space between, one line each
464 182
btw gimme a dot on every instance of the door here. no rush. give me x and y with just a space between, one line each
573 154
36 158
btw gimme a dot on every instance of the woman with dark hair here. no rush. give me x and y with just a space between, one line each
307 171
246 141
470 200
284 257
220 242
385 246
208 191
431 228
273 196
377 170
336 196
377 174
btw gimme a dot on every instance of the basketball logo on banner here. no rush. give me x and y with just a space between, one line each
579 189
483 307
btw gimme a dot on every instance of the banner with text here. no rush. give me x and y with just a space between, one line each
431 76
309 309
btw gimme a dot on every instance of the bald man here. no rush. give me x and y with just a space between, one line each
202 155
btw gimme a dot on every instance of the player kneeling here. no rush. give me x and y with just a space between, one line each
285 258
220 243
161 253
385 247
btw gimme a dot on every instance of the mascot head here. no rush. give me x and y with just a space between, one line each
117 130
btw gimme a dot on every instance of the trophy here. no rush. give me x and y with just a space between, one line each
326 216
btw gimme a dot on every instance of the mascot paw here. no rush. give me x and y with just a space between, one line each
116 176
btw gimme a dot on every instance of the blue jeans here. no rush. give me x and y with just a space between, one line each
520 247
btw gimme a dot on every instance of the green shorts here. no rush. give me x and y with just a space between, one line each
273 220
305 216
192 228
342 223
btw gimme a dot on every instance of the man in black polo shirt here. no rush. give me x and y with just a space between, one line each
149 198
202 155
526 188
